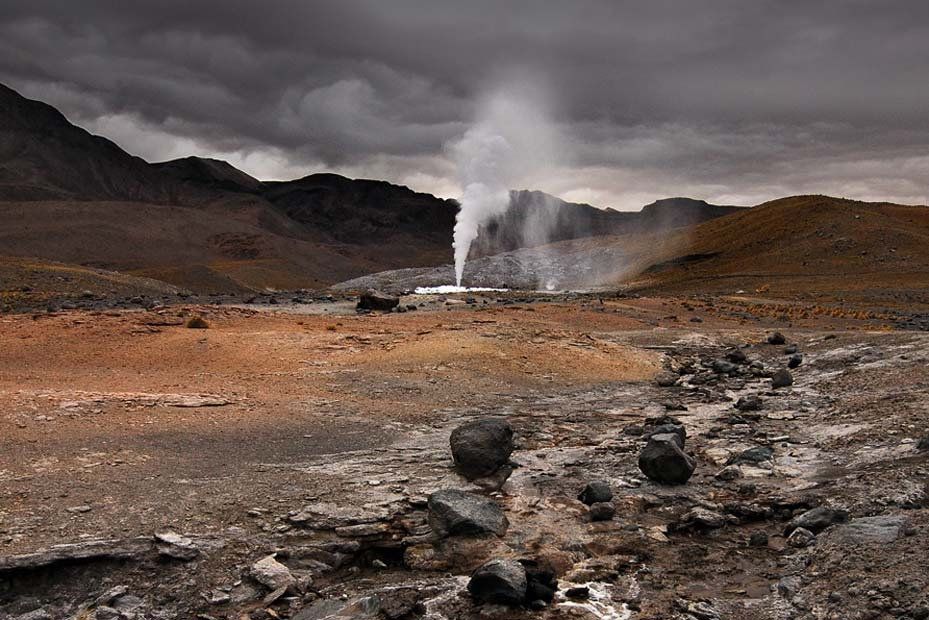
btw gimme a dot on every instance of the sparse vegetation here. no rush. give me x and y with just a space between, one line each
197 322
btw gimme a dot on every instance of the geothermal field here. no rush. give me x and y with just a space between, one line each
479 311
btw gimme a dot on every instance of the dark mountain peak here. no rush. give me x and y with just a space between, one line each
212 172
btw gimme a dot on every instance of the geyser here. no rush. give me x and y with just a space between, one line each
511 143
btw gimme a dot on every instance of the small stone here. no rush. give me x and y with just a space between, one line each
596 491
578 593
751 402
777 338
758 539
702 518
376 300
499 581
666 379
736 356
271 573
724 367
602 511
816 520
801 537
790 349
176 546
729 473
758 454
788 587
794 361
782 378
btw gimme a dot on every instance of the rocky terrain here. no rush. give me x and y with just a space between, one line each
490 456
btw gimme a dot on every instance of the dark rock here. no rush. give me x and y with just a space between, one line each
663 460
777 338
751 402
758 454
758 539
736 356
790 349
816 520
723 367
923 444
578 593
782 378
458 513
795 360
596 491
499 581
602 511
376 300
729 473
481 447
883 529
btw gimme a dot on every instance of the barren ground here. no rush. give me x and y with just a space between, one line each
318 435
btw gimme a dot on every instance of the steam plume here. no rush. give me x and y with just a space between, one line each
511 143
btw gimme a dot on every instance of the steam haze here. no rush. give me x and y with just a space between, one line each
732 102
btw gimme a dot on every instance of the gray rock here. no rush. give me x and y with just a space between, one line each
663 460
458 513
801 537
338 609
729 473
677 430
702 518
724 367
736 356
666 379
376 300
758 539
790 349
596 491
816 520
176 546
923 444
481 447
272 574
35 614
499 581
795 360
782 378
871 530
602 511
788 587
758 454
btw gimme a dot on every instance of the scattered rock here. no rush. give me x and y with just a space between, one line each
578 593
923 444
458 513
795 360
736 356
724 367
777 338
816 520
758 454
376 300
666 379
176 546
663 460
595 492
481 447
751 402
602 511
701 518
790 349
499 581
677 430
871 530
801 537
782 378
271 573
758 539
729 473
788 587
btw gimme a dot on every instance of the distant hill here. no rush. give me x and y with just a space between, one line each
67 195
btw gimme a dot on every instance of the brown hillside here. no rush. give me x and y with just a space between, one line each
794 246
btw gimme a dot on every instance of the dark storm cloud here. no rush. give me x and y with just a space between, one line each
727 100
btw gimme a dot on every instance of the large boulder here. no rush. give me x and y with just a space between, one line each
499 581
376 300
459 513
481 447
663 460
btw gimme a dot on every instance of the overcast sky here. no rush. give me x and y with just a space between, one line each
731 101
